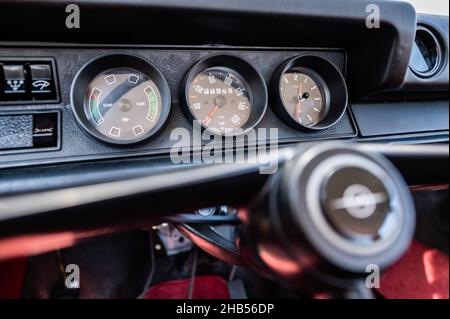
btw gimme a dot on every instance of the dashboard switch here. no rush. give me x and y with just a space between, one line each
28 81
14 82
41 81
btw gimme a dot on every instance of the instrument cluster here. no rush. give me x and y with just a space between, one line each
123 99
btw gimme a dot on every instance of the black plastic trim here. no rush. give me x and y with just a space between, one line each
26 61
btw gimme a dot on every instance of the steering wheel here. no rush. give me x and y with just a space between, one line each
326 217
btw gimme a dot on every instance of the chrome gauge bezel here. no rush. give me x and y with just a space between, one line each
330 80
250 75
124 61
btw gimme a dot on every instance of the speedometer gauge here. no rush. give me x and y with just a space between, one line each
220 98
121 105
225 94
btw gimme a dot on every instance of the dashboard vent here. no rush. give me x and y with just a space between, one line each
426 56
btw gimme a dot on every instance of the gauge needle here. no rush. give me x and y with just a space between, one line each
298 110
210 115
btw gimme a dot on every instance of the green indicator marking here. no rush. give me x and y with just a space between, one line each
93 106
153 102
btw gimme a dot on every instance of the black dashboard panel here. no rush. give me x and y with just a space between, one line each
173 64
174 34
377 119
281 23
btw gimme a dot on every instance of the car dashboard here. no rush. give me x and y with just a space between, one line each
117 112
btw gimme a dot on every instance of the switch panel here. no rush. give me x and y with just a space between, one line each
25 81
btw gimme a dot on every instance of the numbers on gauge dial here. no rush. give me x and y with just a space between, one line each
302 98
220 99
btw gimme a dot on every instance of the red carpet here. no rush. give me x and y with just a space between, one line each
422 273
11 278
205 287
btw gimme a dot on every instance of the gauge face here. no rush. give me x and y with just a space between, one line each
220 99
120 99
302 97
122 104
309 93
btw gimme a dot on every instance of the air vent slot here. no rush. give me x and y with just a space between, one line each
426 55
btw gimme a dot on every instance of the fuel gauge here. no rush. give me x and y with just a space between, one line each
122 104
120 99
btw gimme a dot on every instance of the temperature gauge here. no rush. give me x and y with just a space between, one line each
121 105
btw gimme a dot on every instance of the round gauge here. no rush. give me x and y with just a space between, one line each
309 93
225 94
122 104
220 98
303 97
120 99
